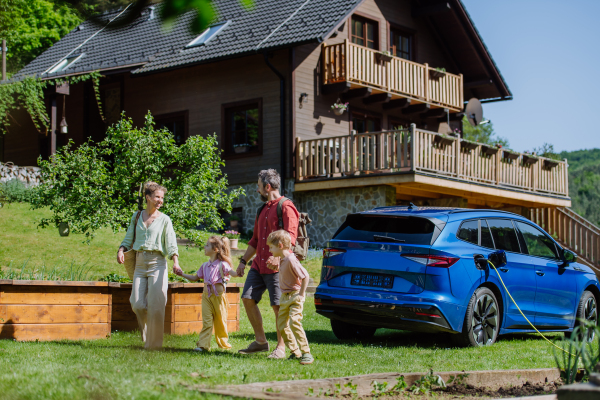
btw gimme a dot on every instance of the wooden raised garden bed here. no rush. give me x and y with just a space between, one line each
184 308
54 310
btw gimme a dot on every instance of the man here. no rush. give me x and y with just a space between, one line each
263 274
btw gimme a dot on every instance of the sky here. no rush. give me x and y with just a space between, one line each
549 54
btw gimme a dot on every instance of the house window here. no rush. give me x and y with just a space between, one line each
64 64
176 123
364 32
242 128
363 123
208 34
401 44
398 124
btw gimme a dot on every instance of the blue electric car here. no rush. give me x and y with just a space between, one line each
426 269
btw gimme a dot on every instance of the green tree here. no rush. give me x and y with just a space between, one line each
31 26
96 185
546 150
482 133
584 182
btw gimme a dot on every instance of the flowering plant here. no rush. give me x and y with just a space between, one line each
232 234
340 106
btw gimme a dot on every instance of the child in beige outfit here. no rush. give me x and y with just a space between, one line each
293 280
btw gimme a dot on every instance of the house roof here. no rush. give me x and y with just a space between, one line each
145 43
145 46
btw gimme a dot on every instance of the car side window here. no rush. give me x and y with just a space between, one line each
469 232
504 235
486 235
537 242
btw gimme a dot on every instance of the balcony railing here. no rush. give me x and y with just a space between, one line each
421 151
357 64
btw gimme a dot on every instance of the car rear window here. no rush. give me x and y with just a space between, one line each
365 228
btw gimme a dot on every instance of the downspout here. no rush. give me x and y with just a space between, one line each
281 119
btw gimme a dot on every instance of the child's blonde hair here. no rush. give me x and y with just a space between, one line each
282 237
220 244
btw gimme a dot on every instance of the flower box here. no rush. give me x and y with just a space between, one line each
509 155
528 159
443 140
241 148
183 312
436 74
467 145
54 310
383 57
549 164
489 150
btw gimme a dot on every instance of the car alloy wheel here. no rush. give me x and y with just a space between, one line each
484 322
590 313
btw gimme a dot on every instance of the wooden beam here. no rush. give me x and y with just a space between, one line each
397 103
435 113
417 108
456 116
356 93
438 7
407 190
336 88
378 98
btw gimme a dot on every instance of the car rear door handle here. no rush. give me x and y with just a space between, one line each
540 273
504 269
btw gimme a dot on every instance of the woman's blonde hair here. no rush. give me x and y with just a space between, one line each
151 187
220 244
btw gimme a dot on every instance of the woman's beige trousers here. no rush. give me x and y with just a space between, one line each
149 296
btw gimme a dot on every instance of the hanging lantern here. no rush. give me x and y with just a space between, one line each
64 128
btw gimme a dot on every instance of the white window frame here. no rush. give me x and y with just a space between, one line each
206 36
64 64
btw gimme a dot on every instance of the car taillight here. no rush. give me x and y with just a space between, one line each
330 252
432 261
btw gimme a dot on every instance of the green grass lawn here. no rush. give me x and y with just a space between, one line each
119 368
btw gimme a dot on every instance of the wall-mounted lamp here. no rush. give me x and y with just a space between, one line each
64 129
303 98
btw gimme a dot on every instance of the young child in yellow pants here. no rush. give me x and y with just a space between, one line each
215 273
293 280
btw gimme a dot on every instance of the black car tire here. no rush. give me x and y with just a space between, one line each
482 320
586 310
346 331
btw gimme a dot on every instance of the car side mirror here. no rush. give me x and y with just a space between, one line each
568 256
498 258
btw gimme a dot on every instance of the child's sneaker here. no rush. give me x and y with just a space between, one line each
306 358
199 349
293 357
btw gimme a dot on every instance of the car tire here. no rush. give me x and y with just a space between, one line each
586 310
346 331
482 320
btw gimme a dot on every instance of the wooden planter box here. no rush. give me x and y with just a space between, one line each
549 164
54 310
443 140
529 159
381 58
435 74
184 308
509 155
489 150
468 145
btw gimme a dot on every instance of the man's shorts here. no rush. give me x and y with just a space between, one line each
257 283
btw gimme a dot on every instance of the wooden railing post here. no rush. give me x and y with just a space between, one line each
346 59
498 164
298 159
413 144
426 82
457 157
353 166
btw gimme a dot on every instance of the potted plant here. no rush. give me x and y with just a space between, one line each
490 150
338 107
234 221
63 229
241 148
443 140
530 158
509 154
233 237
437 73
383 56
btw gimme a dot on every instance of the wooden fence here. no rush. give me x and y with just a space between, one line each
572 231
353 63
428 152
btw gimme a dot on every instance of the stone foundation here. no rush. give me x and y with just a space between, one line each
28 175
327 208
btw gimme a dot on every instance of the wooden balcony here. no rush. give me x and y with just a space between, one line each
420 162
360 66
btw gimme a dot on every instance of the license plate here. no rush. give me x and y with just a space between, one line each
383 281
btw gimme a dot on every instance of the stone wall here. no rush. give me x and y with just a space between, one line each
327 208
29 175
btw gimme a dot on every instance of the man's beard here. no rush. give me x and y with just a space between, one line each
263 198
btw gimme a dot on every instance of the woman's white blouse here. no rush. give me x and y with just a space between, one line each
159 236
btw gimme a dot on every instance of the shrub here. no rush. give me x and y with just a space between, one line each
15 190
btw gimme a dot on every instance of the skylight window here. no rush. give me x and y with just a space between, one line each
64 64
208 34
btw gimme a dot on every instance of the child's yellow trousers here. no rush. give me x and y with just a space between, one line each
214 315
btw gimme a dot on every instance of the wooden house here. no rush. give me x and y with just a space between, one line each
265 80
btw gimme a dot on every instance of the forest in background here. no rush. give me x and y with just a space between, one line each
584 182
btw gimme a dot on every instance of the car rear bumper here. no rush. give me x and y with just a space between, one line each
410 313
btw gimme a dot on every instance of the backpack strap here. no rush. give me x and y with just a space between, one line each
280 211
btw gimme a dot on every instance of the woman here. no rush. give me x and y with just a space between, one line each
154 240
